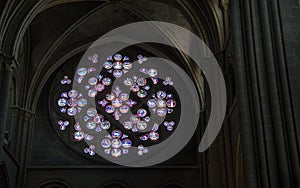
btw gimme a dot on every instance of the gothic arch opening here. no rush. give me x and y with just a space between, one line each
55 183
49 46
171 185
113 185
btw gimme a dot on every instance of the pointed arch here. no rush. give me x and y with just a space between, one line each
54 183
114 184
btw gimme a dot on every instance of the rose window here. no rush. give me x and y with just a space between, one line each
132 106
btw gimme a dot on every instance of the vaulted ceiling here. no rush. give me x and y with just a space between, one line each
49 32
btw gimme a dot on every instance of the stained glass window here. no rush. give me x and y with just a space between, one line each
127 110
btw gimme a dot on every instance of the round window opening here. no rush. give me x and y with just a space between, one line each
121 107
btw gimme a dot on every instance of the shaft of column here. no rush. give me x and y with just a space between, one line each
8 64
257 90
243 99
24 144
274 95
286 98
1 68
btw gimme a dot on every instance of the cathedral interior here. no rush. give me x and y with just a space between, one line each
256 44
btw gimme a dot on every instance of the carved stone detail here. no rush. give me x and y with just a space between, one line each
8 62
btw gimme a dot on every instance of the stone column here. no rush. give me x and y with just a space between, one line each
224 4
247 141
21 144
269 143
8 64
